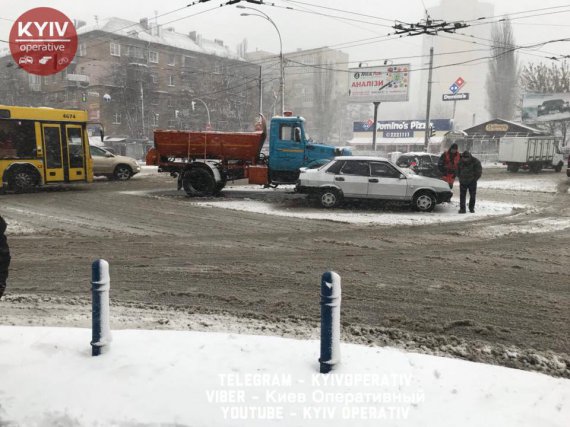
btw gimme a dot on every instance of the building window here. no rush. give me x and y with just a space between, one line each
170 102
172 124
117 118
115 49
35 82
170 80
172 60
153 57
154 120
188 61
82 49
154 78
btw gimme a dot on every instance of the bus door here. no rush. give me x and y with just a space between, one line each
76 152
53 153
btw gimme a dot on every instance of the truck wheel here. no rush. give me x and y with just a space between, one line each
198 182
219 187
424 201
513 167
535 168
330 198
558 167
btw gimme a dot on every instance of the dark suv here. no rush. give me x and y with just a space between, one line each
553 106
421 163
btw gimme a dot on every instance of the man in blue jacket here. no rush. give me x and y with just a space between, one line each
4 257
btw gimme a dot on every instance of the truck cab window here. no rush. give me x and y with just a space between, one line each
285 132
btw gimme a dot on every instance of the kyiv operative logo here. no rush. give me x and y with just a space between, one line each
43 41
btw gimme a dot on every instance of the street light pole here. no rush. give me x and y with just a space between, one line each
207 110
281 61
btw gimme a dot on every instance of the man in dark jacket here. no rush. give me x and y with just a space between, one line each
4 257
469 171
447 164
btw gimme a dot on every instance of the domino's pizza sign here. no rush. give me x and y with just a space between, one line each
454 89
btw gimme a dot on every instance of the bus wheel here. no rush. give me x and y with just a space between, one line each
22 180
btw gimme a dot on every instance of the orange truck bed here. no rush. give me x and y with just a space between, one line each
208 144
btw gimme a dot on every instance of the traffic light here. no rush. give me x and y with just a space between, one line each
84 97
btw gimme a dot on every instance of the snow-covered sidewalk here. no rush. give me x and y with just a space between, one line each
215 379
446 212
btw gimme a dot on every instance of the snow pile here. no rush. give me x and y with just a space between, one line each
16 228
216 379
541 225
446 212
535 185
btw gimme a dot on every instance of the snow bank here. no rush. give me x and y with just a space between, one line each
541 225
216 379
536 185
442 213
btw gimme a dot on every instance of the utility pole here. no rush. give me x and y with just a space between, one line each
376 104
427 128
260 92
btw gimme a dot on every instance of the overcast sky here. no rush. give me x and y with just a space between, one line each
300 28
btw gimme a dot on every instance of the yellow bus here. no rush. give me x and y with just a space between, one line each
43 145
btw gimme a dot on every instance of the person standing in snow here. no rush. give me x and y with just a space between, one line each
468 172
447 164
4 256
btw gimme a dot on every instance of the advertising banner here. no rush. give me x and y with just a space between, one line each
402 128
387 83
545 107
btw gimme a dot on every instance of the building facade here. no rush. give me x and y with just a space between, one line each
136 77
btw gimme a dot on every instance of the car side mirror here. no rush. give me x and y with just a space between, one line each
109 155
402 176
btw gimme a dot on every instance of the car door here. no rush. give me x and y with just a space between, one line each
353 178
386 182
101 163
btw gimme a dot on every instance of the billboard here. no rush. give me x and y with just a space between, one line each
545 107
386 83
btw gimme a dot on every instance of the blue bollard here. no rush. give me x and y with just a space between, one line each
100 286
330 321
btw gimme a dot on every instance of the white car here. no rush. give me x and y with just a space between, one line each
360 177
113 166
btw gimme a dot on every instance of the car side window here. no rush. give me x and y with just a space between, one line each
97 152
335 168
356 167
383 170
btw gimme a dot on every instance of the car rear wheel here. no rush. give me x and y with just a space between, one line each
122 173
424 201
330 198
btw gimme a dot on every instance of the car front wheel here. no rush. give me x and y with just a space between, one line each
122 173
330 198
424 201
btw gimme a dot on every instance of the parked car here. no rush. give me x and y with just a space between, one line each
363 177
553 106
568 168
421 163
113 166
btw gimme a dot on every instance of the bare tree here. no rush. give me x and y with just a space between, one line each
540 78
503 76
